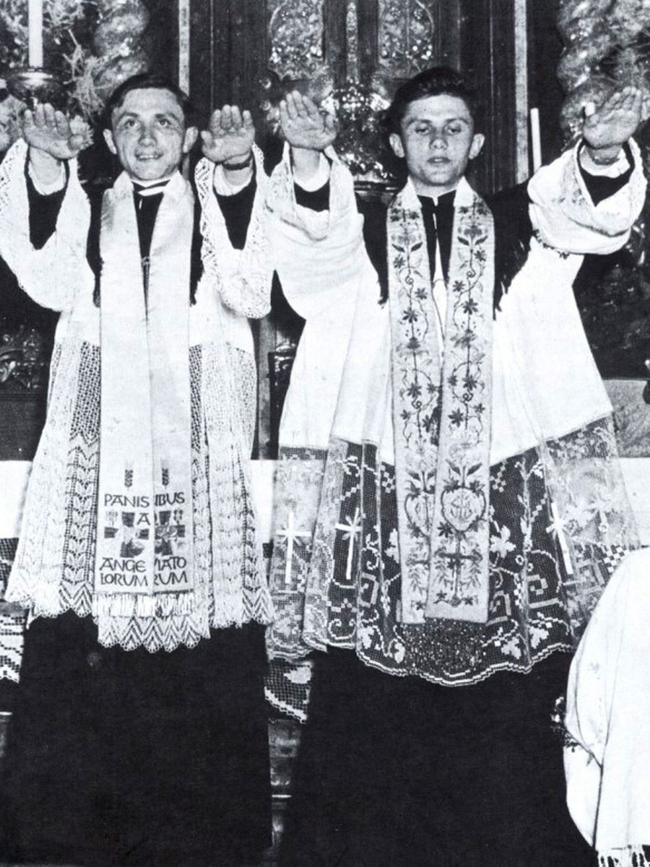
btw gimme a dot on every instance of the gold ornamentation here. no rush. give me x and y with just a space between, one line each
352 40
23 362
407 36
296 34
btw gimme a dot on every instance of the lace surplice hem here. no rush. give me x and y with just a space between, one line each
55 561
559 525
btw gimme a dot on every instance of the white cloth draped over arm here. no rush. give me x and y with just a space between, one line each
565 216
323 267
243 277
608 718
315 252
53 275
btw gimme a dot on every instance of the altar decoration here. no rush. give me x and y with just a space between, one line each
607 46
88 45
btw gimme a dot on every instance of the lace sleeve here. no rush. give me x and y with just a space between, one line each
563 213
54 274
242 277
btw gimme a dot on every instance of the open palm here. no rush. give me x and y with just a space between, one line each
230 135
615 121
304 124
52 132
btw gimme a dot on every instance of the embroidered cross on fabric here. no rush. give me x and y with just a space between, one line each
291 535
350 530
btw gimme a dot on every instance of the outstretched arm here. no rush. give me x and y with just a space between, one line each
315 226
309 130
608 128
53 270
575 207
53 138
228 143
228 179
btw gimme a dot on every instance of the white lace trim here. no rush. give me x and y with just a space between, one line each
243 277
53 569
54 274
630 856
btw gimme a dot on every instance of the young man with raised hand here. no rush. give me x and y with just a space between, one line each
139 734
471 507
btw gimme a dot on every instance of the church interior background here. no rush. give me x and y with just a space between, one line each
549 57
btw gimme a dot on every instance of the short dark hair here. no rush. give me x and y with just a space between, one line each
430 82
146 81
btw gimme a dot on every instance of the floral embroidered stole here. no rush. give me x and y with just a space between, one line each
441 410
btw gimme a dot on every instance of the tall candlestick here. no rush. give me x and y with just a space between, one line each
35 31
522 167
536 144
184 45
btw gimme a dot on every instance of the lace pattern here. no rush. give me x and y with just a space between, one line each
243 277
297 493
586 482
12 623
54 274
631 856
536 604
53 570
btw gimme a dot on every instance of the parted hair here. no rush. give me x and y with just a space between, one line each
435 81
145 81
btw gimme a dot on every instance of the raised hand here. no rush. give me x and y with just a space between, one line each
304 124
229 137
611 125
50 131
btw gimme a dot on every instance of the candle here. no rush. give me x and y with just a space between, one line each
536 144
35 31
184 45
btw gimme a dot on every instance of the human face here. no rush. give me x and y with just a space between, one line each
148 134
437 139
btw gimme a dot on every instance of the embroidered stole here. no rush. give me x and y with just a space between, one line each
144 527
441 410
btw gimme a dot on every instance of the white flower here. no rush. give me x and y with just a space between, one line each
392 549
500 544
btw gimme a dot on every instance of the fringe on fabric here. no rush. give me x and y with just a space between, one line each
631 856
53 570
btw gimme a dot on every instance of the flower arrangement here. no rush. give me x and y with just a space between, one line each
90 45
606 46
359 109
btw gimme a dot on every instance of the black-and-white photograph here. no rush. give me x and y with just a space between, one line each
324 433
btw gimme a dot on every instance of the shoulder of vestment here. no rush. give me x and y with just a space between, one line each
373 210
513 231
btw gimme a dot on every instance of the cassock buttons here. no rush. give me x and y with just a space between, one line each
94 659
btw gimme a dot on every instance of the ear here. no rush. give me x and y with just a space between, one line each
396 143
189 139
478 140
110 142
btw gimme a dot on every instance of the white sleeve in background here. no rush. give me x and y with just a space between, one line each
564 215
46 189
54 274
224 187
320 177
611 170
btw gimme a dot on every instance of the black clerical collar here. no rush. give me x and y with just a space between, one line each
147 190
446 200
